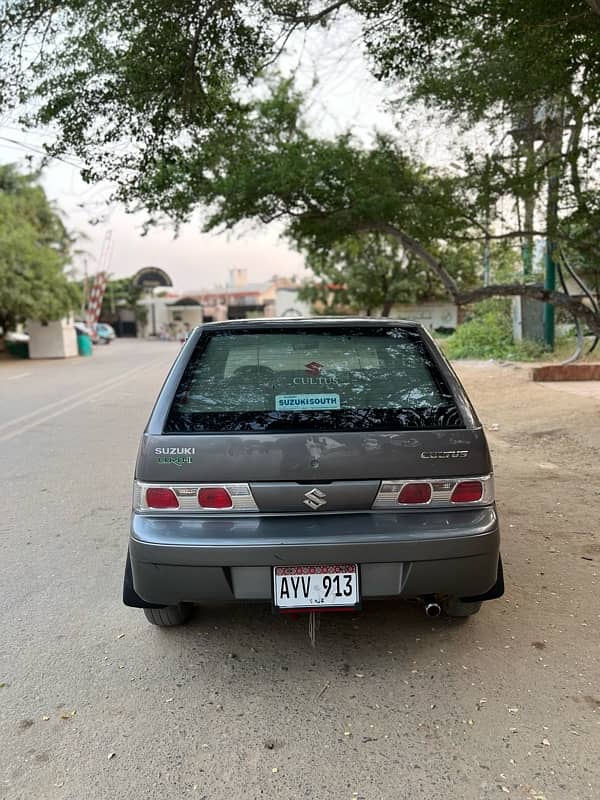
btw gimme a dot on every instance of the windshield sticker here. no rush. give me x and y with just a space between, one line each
304 402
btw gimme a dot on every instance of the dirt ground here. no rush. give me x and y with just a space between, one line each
545 442
389 705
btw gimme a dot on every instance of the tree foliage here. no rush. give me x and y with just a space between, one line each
361 273
326 190
525 69
35 248
127 82
162 98
121 293
372 273
481 53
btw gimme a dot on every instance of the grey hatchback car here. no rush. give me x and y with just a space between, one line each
311 463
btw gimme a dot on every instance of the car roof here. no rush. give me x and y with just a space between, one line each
312 322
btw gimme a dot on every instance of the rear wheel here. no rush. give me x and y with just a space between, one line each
454 607
169 616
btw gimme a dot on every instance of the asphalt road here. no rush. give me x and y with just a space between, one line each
95 704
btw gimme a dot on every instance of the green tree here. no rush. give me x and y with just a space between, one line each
270 167
121 293
530 72
361 273
35 249
371 273
127 84
529 69
156 97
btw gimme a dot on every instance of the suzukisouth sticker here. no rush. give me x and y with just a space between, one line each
306 402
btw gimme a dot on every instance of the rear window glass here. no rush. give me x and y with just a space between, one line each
323 379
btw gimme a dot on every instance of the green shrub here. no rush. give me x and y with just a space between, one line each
488 334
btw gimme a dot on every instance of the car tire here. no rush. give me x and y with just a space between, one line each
169 616
454 607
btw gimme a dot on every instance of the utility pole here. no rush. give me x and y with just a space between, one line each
84 294
555 130
486 257
527 314
486 244
527 252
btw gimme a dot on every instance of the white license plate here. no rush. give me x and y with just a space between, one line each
314 587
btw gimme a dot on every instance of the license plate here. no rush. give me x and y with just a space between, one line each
316 587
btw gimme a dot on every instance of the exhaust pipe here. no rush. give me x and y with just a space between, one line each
432 607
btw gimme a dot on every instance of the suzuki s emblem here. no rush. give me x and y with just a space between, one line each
315 499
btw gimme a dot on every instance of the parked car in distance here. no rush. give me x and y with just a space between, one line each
105 332
311 463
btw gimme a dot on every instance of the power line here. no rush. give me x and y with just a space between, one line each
40 152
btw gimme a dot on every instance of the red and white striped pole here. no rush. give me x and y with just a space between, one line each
95 300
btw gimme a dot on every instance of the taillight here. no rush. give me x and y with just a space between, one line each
435 493
216 497
193 498
160 497
467 492
415 493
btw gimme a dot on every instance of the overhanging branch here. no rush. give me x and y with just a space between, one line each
463 297
415 247
536 292
311 19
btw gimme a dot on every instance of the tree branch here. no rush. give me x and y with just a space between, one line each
463 297
594 5
311 19
413 246
510 235
536 292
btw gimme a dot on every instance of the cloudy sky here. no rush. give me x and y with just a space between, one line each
347 96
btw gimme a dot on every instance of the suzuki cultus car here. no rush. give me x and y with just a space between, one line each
311 463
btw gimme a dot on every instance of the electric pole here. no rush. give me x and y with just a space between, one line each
554 150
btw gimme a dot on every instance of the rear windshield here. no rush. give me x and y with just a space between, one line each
323 379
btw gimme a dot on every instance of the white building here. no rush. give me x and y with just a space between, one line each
431 314
288 304
170 316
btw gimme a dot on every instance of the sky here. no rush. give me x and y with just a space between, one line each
346 96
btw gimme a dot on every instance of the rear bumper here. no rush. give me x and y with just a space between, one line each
412 553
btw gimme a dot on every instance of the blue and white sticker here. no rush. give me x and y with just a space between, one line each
306 402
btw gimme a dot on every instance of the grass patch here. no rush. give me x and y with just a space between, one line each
487 333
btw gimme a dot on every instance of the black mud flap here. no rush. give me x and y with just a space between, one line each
497 589
130 596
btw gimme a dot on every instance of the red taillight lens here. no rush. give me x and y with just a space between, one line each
161 498
214 498
467 492
415 493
